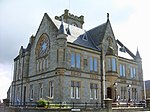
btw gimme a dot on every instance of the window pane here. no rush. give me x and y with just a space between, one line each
77 93
72 60
95 64
91 94
124 70
121 74
31 92
114 64
134 72
40 90
51 89
91 64
131 72
109 64
78 60
95 93
72 92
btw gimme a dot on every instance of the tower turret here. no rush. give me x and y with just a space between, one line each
61 46
71 19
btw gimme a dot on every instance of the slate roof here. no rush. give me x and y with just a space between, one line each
85 42
94 36
76 35
97 33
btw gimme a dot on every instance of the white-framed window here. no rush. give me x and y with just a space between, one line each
41 64
75 60
93 64
51 89
134 94
114 64
133 72
122 70
40 90
18 95
93 91
31 92
111 64
75 90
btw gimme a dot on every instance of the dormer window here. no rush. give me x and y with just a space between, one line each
74 24
84 37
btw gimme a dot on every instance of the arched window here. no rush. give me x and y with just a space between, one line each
41 52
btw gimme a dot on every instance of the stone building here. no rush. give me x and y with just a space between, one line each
147 88
65 63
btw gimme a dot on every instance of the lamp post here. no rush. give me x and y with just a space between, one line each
115 91
129 86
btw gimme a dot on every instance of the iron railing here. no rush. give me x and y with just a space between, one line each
71 105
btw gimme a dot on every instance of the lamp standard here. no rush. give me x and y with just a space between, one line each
115 91
129 86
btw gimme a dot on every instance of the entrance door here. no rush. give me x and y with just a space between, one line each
109 93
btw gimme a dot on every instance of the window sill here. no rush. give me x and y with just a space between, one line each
75 98
111 72
76 69
93 71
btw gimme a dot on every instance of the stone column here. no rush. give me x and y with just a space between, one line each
148 103
108 104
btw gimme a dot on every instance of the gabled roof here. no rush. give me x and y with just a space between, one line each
85 42
97 33
93 38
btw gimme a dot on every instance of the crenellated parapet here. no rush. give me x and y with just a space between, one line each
71 19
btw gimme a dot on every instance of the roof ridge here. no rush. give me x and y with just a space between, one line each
127 50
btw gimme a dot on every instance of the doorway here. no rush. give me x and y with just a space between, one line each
109 92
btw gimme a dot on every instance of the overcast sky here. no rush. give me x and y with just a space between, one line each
19 19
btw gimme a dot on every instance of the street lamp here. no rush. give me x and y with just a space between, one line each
115 91
129 86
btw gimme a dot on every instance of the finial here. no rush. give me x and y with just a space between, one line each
61 29
68 30
107 16
138 54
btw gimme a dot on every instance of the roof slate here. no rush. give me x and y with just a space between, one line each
97 33
94 36
86 43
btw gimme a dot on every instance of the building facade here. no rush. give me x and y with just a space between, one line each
65 63
147 88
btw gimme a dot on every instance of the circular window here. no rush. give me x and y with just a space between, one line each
42 47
